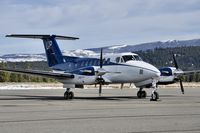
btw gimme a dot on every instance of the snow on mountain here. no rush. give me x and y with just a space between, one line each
117 46
42 57
79 53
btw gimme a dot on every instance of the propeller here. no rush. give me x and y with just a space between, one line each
101 72
179 78
101 58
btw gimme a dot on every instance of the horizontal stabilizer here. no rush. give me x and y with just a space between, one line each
35 36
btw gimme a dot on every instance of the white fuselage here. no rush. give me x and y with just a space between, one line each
131 71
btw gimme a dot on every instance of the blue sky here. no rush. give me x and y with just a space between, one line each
97 22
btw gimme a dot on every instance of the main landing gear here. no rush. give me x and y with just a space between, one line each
68 94
141 93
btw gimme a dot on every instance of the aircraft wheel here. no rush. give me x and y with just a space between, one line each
141 94
71 95
66 95
154 96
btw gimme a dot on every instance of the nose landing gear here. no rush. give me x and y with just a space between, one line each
154 94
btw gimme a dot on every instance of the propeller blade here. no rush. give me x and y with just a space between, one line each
175 62
101 58
101 65
100 89
122 86
181 84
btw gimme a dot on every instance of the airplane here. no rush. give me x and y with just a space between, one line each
75 72
170 75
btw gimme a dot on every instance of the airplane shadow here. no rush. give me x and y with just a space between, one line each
60 98
107 98
53 98
30 97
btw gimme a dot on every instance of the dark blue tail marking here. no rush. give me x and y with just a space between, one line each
53 53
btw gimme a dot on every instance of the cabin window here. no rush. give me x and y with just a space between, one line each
117 59
91 63
104 61
95 62
76 65
86 63
108 61
82 64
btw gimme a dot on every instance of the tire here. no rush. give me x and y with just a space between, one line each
139 94
143 94
66 95
154 96
71 95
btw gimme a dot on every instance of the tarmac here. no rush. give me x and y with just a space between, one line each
116 111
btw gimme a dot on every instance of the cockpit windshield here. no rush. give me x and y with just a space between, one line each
138 58
127 58
131 57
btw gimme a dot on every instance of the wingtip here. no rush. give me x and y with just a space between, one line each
7 35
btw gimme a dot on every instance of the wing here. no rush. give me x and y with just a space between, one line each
190 72
40 73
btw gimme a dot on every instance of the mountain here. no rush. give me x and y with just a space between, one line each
148 46
109 49
42 57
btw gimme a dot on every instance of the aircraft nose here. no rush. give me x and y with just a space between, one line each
155 71
158 73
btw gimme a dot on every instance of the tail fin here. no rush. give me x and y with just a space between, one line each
53 53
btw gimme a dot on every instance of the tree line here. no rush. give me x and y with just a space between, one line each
15 77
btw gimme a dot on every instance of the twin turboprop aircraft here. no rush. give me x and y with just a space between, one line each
75 72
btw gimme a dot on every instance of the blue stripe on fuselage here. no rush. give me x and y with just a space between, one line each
75 63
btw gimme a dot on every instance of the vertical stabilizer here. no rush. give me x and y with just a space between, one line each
53 53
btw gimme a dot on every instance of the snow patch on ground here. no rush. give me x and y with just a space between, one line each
28 86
